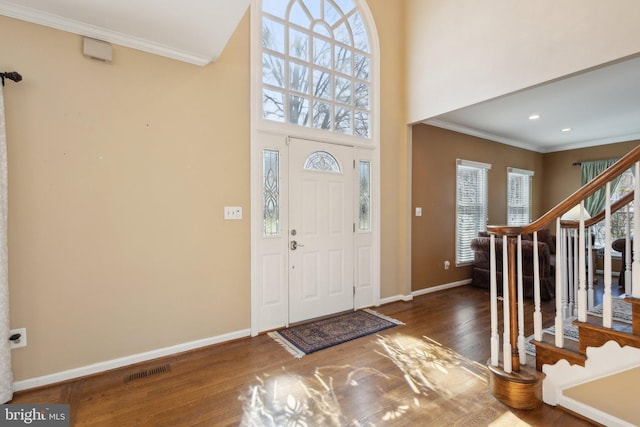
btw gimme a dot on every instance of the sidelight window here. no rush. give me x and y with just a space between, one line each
271 192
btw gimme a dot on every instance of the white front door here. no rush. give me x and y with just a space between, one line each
320 229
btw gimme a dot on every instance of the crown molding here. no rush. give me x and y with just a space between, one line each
77 27
528 146
484 135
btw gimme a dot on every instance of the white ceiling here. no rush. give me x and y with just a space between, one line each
194 31
601 106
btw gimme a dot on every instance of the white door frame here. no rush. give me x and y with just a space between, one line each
269 255
269 288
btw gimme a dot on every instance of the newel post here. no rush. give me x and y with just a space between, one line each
509 236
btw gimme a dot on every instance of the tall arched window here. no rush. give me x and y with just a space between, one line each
316 63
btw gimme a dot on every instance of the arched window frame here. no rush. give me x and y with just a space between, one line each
260 123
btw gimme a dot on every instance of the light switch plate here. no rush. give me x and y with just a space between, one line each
232 212
418 211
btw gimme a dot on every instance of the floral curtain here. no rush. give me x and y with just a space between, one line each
6 376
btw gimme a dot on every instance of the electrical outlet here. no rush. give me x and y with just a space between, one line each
447 264
20 342
232 212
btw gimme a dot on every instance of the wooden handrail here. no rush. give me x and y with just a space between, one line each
563 207
512 239
615 206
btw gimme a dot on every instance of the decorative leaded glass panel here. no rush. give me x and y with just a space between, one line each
365 196
271 192
322 161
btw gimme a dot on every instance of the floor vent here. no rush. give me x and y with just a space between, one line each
147 373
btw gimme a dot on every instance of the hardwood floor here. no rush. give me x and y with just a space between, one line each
397 377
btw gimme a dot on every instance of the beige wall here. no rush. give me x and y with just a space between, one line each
395 273
435 152
118 178
466 51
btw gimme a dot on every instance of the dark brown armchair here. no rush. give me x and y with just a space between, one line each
619 245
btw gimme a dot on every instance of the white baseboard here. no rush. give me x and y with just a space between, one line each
407 298
440 287
396 298
593 414
125 361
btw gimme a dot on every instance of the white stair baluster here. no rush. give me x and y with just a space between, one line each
568 272
635 268
560 260
521 339
573 290
537 314
627 254
506 339
582 270
606 298
590 267
493 290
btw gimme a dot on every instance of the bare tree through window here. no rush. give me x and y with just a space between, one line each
316 65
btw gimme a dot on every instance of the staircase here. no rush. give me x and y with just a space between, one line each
570 374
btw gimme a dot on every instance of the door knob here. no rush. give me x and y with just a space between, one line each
294 245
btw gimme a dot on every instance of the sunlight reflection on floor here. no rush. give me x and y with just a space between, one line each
432 385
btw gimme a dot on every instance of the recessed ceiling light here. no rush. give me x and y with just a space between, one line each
534 117
567 130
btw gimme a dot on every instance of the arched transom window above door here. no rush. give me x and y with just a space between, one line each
316 64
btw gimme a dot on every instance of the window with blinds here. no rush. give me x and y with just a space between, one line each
519 196
471 206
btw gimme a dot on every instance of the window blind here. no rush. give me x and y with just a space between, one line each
519 196
471 206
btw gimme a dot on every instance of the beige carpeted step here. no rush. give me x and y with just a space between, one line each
614 395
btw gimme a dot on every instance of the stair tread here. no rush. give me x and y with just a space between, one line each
548 353
595 322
